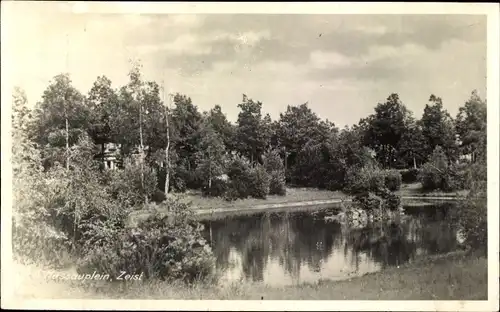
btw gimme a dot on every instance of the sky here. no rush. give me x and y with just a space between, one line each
342 65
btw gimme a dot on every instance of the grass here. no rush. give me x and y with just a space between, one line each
292 195
451 277
302 195
415 190
310 198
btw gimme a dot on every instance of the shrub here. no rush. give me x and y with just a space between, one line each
390 200
259 182
126 185
65 201
393 180
162 246
276 170
277 184
365 179
473 219
158 196
240 179
409 175
185 178
438 174
219 188
273 161
368 201
369 185
473 211
446 179
430 177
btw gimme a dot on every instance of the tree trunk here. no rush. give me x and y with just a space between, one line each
210 226
209 170
414 163
167 149
67 144
142 154
286 161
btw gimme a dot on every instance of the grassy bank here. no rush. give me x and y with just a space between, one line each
451 277
294 195
415 190
294 200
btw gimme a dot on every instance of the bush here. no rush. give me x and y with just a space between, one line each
219 188
446 179
473 219
365 179
430 177
368 201
259 182
391 200
186 179
162 246
126 185
246 180
158 196
393 180
277 184
276 170
437 174
409 175
369 185
473 211
240 179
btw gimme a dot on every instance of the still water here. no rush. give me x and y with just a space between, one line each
290 248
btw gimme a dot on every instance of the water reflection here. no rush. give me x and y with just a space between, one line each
290 248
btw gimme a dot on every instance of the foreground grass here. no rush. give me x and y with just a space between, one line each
452 277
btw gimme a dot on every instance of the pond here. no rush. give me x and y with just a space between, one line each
281 249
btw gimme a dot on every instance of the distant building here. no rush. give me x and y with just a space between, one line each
110 156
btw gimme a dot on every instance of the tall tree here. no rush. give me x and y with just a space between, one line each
102 102
132 97
471 125
438 128
412 152
210 155
296 127
187 120
61 116
251 139
167 145
223 127
21 114
386 129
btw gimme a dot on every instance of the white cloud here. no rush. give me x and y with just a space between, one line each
184 44
322 59
374 29
384 52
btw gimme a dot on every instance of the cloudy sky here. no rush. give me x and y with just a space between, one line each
343 65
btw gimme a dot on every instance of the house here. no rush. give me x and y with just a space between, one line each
110 156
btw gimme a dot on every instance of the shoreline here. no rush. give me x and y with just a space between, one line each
306 205
294 206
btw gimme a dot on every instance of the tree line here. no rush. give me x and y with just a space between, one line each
190 148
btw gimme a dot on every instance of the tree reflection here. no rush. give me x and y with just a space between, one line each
297 240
